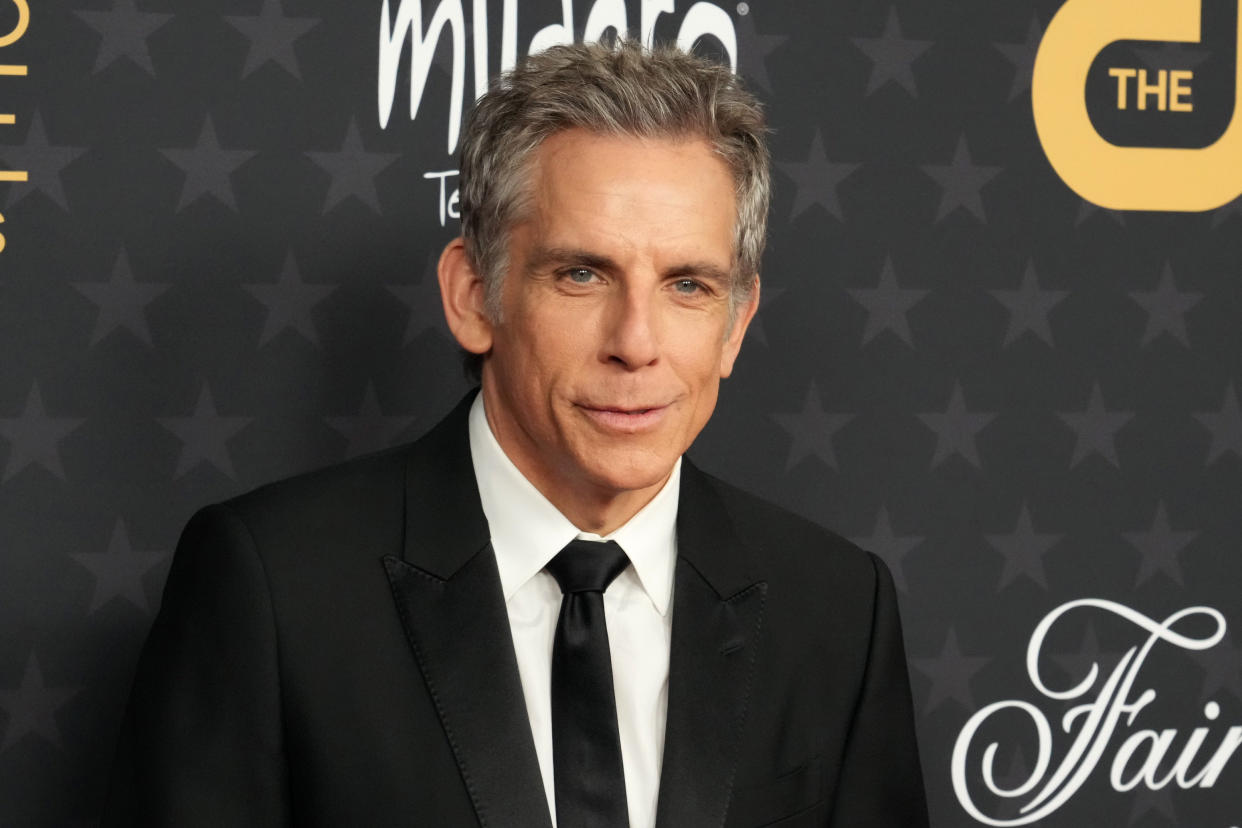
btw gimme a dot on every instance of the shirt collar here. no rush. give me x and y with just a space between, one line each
527 530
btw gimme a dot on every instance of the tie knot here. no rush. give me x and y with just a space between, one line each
587 566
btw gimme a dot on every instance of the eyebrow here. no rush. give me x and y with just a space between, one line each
543 257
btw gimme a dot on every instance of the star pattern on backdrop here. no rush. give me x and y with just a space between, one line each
1159 547
119 570
353 170
817 180
204 436
370 429
956 428
272 36
1076 665
1222 669
887 304
891 547
1095 429
753 57
124 31
32 706
42 161
1225 426
289 303
1166 308
951 672
422 299
121 301
1221 214
961 182
1143 801
892 56
1022 57
811 430
1023 550
34 437
1029 307
208 168
1086 210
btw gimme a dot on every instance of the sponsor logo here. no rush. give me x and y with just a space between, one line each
18 30
1136 102
1113 722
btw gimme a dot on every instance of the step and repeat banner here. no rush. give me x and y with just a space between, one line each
999 342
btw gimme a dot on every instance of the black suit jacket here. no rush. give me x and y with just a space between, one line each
334 650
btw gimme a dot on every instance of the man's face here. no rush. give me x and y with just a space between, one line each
616 328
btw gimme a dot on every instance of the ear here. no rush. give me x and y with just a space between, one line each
461 290
741 321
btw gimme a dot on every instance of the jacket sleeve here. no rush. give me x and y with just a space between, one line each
881 783
201 743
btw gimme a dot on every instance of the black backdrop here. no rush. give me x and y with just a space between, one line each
217 270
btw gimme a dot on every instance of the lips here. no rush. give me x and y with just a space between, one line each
624 419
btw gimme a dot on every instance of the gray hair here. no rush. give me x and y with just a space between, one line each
621 89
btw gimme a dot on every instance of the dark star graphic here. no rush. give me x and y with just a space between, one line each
1022 56
812 430
42 161
32 707
204 435
962 181
752 62
1086 210
955 429
1166 307
886 305
1222 669
1159 547
34 437
1221 214
124 32
892 56
122 301
1145 800
1028 307
353 170
289 303
950 673
757 332
1077 665
271 37
817 179
1096 428
1225 425
207 168
1023 551
118 571
891 548
423 301
370 429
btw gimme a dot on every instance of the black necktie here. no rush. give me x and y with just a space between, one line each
586 747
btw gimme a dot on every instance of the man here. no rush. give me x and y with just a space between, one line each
387 643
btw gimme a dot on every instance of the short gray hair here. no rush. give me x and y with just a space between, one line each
621 89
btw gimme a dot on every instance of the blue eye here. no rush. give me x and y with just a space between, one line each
687 286
581 275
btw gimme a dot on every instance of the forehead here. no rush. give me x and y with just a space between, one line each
631 190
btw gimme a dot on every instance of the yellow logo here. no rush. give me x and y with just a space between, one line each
1132 177
23 22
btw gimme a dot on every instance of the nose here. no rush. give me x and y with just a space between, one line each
632 339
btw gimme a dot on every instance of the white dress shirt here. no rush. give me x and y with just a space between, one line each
526 532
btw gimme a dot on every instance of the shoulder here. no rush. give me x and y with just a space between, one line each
785 545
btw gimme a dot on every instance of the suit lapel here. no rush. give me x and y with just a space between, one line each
717 615
448 594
